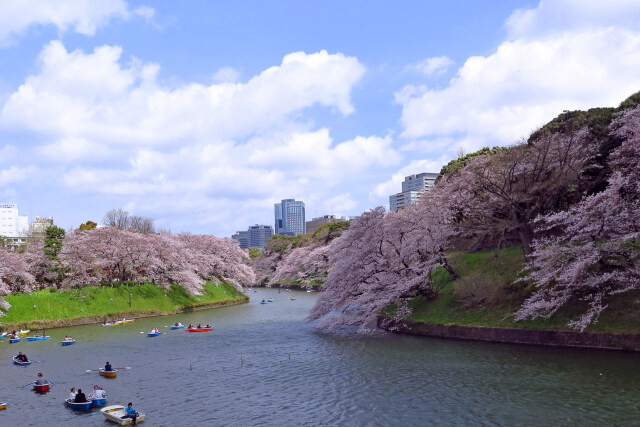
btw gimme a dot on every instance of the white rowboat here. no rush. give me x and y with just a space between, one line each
116 412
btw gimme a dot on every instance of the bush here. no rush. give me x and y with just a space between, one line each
479 290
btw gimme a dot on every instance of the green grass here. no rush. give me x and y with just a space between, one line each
500 269
102 301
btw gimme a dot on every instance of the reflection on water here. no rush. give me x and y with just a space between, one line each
264 365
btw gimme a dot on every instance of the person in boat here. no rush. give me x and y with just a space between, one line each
36 335
41 380
14 335
80 397
263 300
208 326
199 326
190 325
22 357
97 393
178 324
107 367
68 338
72 394
130 413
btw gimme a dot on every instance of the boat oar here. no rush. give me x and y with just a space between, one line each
32 382
52 383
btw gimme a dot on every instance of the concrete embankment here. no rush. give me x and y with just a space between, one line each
609 341
286 286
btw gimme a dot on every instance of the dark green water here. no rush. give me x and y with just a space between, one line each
264 365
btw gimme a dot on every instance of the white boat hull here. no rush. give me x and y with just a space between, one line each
115 413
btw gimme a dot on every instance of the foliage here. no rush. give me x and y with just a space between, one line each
89 225
254 252
53 241
121 220
590 251
457 164
382 259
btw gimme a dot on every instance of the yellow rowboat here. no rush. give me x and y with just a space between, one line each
3 406
108 374
23 332
123 322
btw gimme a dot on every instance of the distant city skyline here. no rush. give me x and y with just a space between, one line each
202 115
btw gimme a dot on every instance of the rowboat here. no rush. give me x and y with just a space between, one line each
154 334
2 335
176 327
19 363
84 406
123 322
116 412
14 340
3 405
108 374
41 388
270 300
98 402
199 329
38 338
263 302
23 332
67 342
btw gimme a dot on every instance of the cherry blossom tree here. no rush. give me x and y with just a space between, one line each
590 252
382 259
14 275
304 265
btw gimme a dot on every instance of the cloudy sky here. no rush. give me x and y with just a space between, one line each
202 114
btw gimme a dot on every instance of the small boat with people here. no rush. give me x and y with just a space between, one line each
108 374
154 333
67 341
270 300
79 406
14 340
23 332
38 338
3 405
263 302
178 325
199 328
2 335
19 362
115 413
98 402
42 388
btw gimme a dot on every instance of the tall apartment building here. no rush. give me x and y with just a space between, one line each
412 188
14 228
40 224
257 235
289 217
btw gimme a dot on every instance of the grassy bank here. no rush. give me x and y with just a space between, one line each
52 308
485 295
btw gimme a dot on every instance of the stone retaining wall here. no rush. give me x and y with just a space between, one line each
611 341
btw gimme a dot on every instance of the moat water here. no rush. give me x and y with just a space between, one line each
265 365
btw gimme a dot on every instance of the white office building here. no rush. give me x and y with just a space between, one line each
14 228
413 187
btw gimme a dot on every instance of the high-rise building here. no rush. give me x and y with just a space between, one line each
243 238
14 228
259 234
40 224
289 217
412 188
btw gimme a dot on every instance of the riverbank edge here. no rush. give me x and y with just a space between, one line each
133 314
545 337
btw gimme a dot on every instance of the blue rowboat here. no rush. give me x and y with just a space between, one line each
84 406
2 335
38 338
14 340
19 363
67 342
176 327
154 334
99 402
263 302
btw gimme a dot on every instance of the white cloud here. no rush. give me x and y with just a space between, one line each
495 99
226 75
200 150
81 16
434 66
380 194
557 16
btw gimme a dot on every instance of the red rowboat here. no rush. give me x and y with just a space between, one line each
199 329
41 388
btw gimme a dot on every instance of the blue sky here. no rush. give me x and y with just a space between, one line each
202 114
